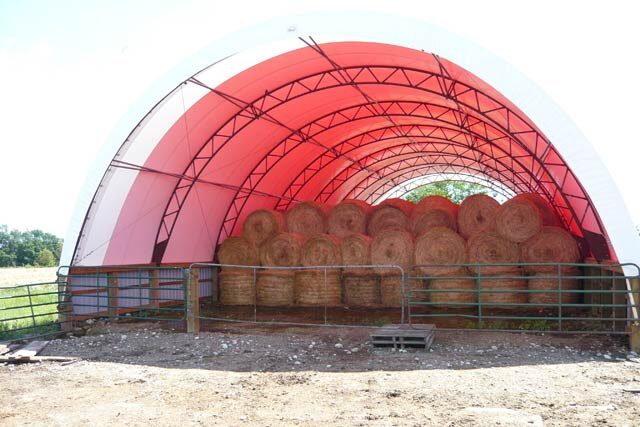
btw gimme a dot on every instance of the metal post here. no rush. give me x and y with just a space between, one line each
193 302
112 294
154 293
64 304
479 293
33 315
402 296
255 296
559 298
325 295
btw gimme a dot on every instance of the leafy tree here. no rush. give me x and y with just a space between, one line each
18 248
46 258
456 191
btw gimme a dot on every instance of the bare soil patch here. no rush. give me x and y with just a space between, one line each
145 374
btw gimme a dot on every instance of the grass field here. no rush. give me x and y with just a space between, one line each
26 308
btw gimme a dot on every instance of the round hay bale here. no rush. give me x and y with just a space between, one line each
392 247
547 212
439 245
236 287
348 217
433 211
312 291
262 224
488 247
404 205
550 245
361 290
321 249
391 290
510 280
417 284
436 202
391 213
518 220
275 288
477 213
307 218
238 250
356 250
282 250
459 281
547 282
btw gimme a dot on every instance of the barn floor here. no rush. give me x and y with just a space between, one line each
141 374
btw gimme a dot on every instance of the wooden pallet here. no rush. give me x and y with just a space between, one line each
403 336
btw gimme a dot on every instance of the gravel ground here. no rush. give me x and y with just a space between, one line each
143 374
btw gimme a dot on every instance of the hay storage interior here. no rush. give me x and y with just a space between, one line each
297 158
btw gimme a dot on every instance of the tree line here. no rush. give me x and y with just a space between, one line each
28 248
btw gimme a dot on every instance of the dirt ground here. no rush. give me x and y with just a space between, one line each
142 374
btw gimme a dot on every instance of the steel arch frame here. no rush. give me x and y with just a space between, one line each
281 149
408 186
351 182
435 83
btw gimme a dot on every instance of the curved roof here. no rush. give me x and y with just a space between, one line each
328 121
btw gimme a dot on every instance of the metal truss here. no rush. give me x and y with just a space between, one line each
476 114
412 184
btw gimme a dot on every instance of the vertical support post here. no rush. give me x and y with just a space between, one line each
112 295
215 288
402 295
325 295
33 314
255 294
634 283
479 294
64 303
559 298
191 282
634 337
154 292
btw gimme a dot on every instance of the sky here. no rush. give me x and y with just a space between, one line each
71 70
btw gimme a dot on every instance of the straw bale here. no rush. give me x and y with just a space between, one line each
510 280
550 282
348 217
311 289
307 218
361 290
518 220
439 245
238 250
262 224
282 250
433 211
547 212
321 249
392 247
551 244
275 288
356 250
477 213
457 281
392 213
488 247
236 287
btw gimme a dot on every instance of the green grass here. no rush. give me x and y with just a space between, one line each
22 316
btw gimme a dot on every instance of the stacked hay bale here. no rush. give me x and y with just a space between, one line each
489 247
361 285
275 287
392 246
237 285
430 238
390 214
433 211
307 218
319 287
439 251
552 245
